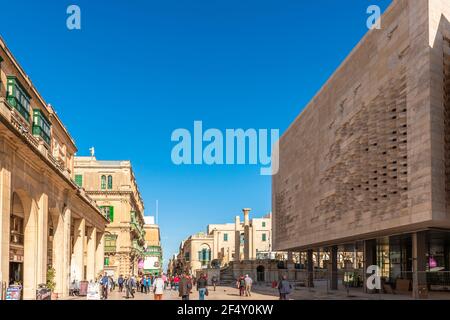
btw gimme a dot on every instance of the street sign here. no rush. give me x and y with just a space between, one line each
93 291
13 292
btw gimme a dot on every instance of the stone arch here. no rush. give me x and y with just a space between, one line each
30 241
260 273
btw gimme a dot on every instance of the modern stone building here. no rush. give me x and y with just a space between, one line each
46 220
364 169
113 186
153 255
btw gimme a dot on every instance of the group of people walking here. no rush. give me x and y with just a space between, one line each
184 284
157 284
130 284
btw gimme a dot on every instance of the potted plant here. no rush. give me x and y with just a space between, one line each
51 284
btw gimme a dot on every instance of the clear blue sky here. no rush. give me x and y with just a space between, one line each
140 69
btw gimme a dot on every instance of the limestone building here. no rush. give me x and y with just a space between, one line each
364 169
224 243
46 220
153 256
195 252
113 186
250 238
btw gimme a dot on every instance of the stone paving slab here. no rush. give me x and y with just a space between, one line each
266 292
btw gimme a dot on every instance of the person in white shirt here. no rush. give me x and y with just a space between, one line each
248 285
158 288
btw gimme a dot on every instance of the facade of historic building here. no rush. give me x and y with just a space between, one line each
251 238
153 255
113 186
364 169
46 221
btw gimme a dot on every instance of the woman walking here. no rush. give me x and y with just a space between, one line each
158 288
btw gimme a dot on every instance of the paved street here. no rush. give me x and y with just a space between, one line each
265 292
221 293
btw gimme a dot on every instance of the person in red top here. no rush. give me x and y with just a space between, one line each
176 282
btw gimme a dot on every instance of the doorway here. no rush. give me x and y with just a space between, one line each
260 276
15 272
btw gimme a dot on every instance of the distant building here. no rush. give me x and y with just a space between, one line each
153 257
113 186
225 243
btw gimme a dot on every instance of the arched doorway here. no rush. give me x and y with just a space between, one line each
17 241
260 274
23 243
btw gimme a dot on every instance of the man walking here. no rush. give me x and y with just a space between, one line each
248 285
284 288
202 288
214 282
185 287
241 285
129 287
120 282
104 282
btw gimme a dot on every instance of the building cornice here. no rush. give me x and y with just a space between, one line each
26 139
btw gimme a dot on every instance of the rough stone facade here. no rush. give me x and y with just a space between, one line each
369 155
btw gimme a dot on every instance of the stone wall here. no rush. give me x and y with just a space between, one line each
363 159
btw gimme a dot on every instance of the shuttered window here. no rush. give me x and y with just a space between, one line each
79 180
110 182
108 212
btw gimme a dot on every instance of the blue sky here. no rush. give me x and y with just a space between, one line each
139 69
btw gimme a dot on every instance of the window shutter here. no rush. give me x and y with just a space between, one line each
79 180
103 182
111 213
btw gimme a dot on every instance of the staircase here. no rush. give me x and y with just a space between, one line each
226 276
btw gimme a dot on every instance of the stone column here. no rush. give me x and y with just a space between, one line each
100 253
237 239
248 239
30 251
67 251
310 269
91 253
332 268
5 212
246 212
78 250
419 250
370 258
42 240
61 253
58 253
290 265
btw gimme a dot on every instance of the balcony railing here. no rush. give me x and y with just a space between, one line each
19 107
137 247
23 128
110 249
138 229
